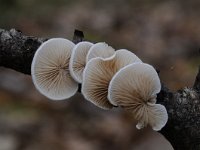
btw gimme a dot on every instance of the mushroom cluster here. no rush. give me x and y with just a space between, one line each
109 78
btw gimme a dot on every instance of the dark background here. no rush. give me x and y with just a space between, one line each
165 34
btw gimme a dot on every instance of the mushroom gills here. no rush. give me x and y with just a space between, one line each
50 69
99 72
100 49
134 88
78 60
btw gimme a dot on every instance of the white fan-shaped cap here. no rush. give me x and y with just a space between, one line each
98 73
134 88
100 49
49 69
78 60
153 114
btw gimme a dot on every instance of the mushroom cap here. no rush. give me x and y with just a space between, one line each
153 114
78 60
50 72
100 49
134 88
98 73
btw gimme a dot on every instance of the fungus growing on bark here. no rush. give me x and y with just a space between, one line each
100 49
50 72
98 73
78 60
134 88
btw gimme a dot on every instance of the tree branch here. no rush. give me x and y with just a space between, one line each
183 106
197 81
17 50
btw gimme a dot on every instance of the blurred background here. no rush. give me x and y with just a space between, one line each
164 33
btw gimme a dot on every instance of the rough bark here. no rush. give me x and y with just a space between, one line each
183 127
17 50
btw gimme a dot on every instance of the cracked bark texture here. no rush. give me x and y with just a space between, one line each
183 107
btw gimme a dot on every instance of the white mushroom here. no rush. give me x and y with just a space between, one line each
50 72
78 60
134 88
100 50
155 113
98 73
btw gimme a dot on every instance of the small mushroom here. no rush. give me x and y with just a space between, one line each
98 73
78 60
134 88
100 49
50 72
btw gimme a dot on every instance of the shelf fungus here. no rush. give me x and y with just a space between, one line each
100 49
50 72
78 60
134 88
99 72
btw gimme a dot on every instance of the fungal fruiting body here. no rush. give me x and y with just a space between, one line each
50 72
134 88
100 49
78 60
98 73
108 78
